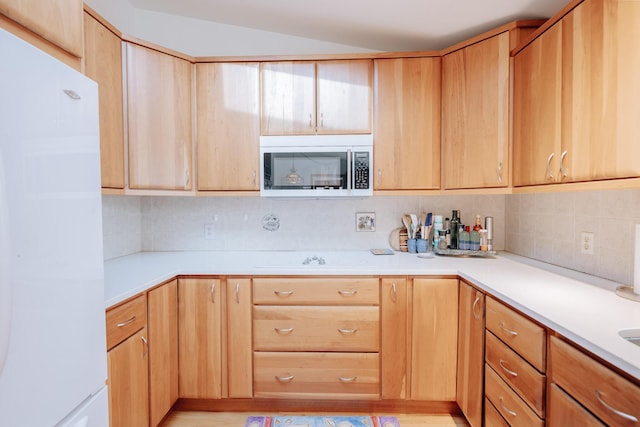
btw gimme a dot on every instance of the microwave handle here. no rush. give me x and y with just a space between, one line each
349 169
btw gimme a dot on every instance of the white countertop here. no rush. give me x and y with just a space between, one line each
583 308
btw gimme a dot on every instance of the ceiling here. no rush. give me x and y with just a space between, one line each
382 25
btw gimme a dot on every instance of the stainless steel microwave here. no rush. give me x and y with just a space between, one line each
316 166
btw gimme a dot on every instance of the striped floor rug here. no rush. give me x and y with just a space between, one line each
321 421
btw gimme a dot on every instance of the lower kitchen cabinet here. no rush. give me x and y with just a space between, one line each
200 338
393 342
470 379
434 339
239 333
127 363
129 381
592 386
316 338
162 325
515 365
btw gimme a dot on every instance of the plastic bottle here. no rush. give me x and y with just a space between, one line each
474 237
455 225
463 238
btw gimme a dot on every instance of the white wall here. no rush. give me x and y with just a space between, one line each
197 37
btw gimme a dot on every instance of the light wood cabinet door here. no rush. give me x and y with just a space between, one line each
538 110
407 124
601 91
393 342
59 21
162 324
103 63
470 379
288 98
128 382
228 126
475 115
200 338
344 96
434 325
239 338
159 119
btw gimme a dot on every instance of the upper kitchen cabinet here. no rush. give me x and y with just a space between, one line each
476 108
58 21
407 123
475 115
601 91
159 117
537 109
324 97
228 126
576 93
103 63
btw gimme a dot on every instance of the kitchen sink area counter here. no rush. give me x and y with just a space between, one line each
582 308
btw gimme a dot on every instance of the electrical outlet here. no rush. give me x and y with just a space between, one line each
587 243
208 232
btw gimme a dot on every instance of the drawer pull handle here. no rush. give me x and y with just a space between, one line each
507 330
394 293
347 331
287 379
128 322
621 414
348 293
283 331
473 308
237 293
283 293
213 293
509 411
507 370
347 379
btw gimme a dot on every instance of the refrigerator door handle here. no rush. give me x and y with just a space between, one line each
5 272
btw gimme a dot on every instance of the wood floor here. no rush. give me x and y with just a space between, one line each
237 419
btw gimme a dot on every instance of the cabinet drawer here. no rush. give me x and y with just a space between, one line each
508 403
492 417
606 394
124 320
518 332
302 328
516 372
564 411
316 291
317 375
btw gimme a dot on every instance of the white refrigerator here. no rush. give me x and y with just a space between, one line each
52 326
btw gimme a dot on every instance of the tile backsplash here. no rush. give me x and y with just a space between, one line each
177 223
546 227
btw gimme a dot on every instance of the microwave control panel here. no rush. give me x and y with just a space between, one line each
361 170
